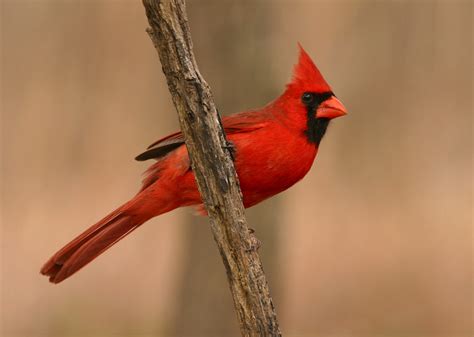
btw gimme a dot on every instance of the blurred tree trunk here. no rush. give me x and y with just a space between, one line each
240 76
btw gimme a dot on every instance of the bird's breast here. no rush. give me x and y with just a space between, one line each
270 162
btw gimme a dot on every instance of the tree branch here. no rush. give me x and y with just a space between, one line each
212 166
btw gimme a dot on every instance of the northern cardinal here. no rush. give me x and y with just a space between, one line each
274 147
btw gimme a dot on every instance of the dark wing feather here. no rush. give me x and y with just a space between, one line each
158 152
162 147
238 123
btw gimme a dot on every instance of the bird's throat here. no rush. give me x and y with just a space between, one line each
316 128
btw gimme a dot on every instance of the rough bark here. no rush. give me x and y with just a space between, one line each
212 166
234 69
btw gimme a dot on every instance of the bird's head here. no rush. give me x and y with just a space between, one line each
310 98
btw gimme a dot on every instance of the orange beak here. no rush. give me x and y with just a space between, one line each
331 108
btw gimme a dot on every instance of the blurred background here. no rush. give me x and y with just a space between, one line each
375 241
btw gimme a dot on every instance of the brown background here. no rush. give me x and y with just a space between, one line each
375 241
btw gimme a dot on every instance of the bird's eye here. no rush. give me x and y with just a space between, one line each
307 98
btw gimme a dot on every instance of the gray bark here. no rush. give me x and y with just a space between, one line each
212 166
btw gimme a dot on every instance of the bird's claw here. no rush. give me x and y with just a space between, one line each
229 146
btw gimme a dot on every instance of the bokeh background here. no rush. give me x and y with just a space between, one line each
375 241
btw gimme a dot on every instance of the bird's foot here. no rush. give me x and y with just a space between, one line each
255 243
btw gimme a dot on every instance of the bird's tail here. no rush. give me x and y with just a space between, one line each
93 242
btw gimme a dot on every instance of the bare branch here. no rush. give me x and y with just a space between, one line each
212 166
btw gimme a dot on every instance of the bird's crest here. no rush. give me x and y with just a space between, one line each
306 75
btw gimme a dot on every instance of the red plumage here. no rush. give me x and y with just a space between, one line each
274 148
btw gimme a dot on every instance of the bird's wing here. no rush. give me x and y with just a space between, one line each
162 147
238 123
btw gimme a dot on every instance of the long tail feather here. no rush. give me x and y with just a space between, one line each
90 244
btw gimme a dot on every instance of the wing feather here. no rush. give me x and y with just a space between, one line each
237 123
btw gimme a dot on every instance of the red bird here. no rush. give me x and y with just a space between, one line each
275 147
